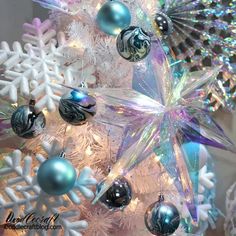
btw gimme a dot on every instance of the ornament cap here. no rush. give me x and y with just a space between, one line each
161 198
32 103
62 154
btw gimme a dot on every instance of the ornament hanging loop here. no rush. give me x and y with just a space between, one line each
160 183
161 198
32 103
63 154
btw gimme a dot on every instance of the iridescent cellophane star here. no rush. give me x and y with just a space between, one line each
160 118
65 6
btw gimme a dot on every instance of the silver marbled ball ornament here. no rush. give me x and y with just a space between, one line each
133 44
26 123
77 107
162 218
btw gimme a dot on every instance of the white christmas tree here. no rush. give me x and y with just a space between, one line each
69 51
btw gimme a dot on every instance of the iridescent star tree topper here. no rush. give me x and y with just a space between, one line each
159 117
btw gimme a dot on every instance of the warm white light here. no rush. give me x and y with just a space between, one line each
88 151
133 204
15 104
157 158
98 6
45 111
149 6
68 128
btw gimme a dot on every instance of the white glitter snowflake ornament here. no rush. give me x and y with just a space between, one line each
37 71
23 195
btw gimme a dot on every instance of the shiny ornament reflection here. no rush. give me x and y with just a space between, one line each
118 196
56 176
113 17
162 218
163 23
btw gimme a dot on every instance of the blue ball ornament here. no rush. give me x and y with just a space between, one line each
113 17
56 176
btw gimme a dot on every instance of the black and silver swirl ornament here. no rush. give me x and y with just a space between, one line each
77 107
162 218
133 44
26 123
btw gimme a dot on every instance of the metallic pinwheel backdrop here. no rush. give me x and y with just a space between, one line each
204 35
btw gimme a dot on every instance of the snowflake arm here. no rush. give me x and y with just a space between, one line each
38 71
205 180
84 180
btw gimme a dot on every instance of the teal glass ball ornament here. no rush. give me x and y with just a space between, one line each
113 17
162 218
56 176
